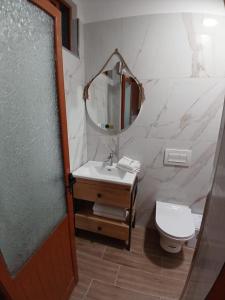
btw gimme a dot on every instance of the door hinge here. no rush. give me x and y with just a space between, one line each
72 181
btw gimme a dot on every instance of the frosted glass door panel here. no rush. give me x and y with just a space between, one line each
32 192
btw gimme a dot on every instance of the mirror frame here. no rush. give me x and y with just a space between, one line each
125 66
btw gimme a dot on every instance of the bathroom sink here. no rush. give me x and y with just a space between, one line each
111 171
100 171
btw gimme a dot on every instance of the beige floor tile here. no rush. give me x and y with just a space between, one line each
136 260
107 270
81 288
137 243
148 241
171 288
90 247
138 232
162 298
148 283
175 268
186 254
102 291
101 239
97 268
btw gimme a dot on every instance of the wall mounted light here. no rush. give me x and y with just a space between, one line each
210 22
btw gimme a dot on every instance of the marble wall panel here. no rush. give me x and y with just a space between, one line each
75 108
181 64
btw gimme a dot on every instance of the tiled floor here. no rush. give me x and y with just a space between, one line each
108 271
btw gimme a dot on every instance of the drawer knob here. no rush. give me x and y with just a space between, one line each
99 228
99 195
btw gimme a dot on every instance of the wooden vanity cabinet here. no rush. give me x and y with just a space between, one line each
88 192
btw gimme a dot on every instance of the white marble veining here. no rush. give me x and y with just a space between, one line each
209 259
98 10
185 109
178 185
76 118
188 186
159 46
181 64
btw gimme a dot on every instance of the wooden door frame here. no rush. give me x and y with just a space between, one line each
218 290
123 95
7 285
57 3
54 12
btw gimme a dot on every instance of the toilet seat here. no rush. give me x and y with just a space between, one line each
172 236
174 221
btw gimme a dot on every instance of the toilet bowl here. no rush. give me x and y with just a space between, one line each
175 225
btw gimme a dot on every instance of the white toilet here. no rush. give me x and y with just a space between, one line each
175 225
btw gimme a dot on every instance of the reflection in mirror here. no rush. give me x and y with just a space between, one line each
113 97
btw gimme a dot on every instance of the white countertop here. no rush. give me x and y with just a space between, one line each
96 170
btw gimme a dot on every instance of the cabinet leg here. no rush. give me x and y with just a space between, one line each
134 221
130 228
128 245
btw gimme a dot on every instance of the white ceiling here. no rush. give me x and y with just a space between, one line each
98 10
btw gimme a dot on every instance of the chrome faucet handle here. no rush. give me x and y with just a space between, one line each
109 159
111 155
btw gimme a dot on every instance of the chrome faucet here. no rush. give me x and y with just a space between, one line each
109 159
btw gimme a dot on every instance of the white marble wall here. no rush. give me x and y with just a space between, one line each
98 10
182 66
210 257
76 119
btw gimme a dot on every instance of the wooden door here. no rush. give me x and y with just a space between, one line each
37 258
218 290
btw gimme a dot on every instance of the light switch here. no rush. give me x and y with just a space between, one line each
177 157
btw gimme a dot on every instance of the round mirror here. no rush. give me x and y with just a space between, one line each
113 98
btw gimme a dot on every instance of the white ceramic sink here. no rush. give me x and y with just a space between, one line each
97 170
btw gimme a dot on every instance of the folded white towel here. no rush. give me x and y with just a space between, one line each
129 170
106 215
109 212
129 165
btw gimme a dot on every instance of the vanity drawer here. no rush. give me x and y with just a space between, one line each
115 229
103 193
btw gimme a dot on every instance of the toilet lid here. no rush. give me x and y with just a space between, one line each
175 220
